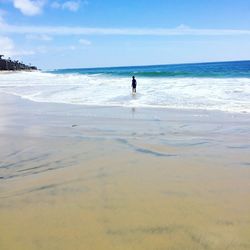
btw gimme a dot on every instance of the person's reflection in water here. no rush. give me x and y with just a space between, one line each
133 112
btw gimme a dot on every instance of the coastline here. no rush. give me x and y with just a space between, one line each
122 178
102 89
8 71
18 71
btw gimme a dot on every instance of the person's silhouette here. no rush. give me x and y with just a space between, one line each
134 83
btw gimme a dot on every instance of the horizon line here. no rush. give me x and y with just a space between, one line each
149 65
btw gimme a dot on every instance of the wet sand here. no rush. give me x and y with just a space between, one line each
74 177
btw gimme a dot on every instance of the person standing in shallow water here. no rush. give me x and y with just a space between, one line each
134 83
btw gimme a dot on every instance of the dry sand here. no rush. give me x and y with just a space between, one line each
74 177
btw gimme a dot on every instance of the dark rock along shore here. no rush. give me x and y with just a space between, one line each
8 64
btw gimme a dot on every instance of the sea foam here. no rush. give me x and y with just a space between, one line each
224 94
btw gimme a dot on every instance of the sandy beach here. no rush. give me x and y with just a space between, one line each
79 177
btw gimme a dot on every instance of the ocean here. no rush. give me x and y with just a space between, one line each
221 86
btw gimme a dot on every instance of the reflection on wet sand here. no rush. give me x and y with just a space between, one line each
132 184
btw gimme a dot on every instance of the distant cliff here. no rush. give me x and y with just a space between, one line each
8 64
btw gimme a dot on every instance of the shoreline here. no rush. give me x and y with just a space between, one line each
18 71
159 108
118 178
95 90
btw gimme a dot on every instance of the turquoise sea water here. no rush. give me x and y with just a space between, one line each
221 86
215 69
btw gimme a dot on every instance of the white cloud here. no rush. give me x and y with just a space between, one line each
182 27
68 5
8 48
71 5
29 7
67 30
42 37
84 42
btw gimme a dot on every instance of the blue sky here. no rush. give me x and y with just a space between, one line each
93 33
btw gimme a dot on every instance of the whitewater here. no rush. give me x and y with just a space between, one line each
113 88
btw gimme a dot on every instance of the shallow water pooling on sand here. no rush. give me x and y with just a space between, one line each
122 178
